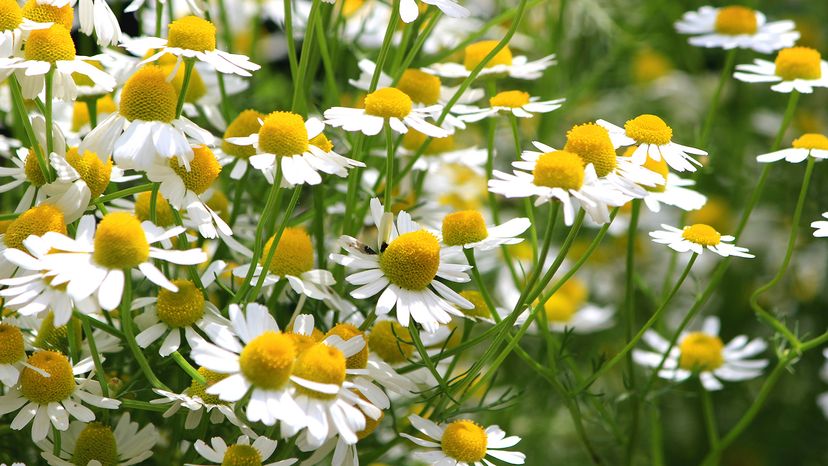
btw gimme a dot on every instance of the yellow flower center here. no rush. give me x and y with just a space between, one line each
798 63
656 166
196 89
736 20
349 7
163 211
511 99
390 341
44 390
11 16
198 389
371 425
480 308
347 331
32 169
241 455
96 442
91 169
321 141
304 342
220 204
54 338
267 361
559 169
464 227
283 134
464 441
35 221
388 102
702 234
475 53
11 344
701 352
244 125
560 308
592 143
649 65
204 169
411 260
42 13
120 242
413 140
322 364
50 45
192 33
182 308
293 255
148 96
575 290
422 87
648 129
811 141
80 112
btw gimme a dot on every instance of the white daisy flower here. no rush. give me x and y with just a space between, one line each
26 168
81 179
404 267
409 11
798 69
241 452
15 28
48 392
246 123
462 443
695 238
567 309
813 144
675 191
467 228
12 354
704 354
821 227
36 221
736 26
440 154
96 16
518 103
503 63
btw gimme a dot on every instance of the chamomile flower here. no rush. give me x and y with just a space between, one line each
404 267
463 442
568 308
517 103
675 191
736 26
35 221
441 154
704 354
14 27
467 228
385 106
409 11
96 16
240 453
49 391
809 144
798 69
26 167
12 354
81 178
695 238
503 63
821 227
246 123
653 139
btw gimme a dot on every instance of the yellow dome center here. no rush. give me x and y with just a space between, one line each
148 96
701 352
42 13
464 227
592 143
244 125
390 341
192 33
321 141
11 16
120 242
736 20
96 442
196 88
204 169
35 221
91 169
53 338
293 255
304 342
388 102
798 63
648 129
464 441
198 389
80 112
480 309
11 344
50 45
422 87
163 211
411 260
475 53
322 364
413 140
283 134
811 141
656 166
702 234
182 308
510 99
560 308
220 204
347 331
241 455
44 390
267 361
32 169
559 169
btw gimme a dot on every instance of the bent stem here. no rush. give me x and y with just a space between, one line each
730 61
129 334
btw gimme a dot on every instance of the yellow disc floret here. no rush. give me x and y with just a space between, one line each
204 169
53 338
244 125
648 129
511 99
283 134
559 169
702 234
480 309
798 63
44 13
388 102
180 308
220 204
293 255
322 142
413 140
701 352
592 143
321 364
411 260
192 33
656 166
811 141
560 308
390 341
198 389
347 331
44 390
371 425
422 87
92 170
11 344
163 211
32 169
267 361
475 53
241 455
148 96
11 16
196 88
464 441
96 442
80 111
736 20
50 45
464 227
35 221
120 242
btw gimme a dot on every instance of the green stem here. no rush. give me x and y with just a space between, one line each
481 286
271 253
187 367
23 114
304 61
189 64
629 313
709 416
126 192
389 167
92 107
386 45
96 358
291 41
129 334
730 61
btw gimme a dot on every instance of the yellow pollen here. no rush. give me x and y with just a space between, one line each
648 129
702 234
120 242
11 344
44 390
413 140
42 13
736 20
464 227
464 441
480 309
91 169
32 169
192 33
422 87
182 308
220 204
560 308
321 141
11 16
390 341
96 442
35 221
196 88
411 260
388 102
283 134
148 96
293 255
559 169
511 99
701 352
267 361
347 331
811 141
656 166
798 63
198 389
80 112
241 455
244 125
475 53
50 45
304 342
204 169
592 143
163 211
322 364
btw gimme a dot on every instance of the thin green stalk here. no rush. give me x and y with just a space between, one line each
56 445
386 45
319 225
96 358
432 17
709 416
159 14
481 285
126 403
187 367
389 167
712 111
20 106
189 64
92 107
298 104
330 72
656 437
126 192
129 334
74 337
225 27
629 315
291 41
50 90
